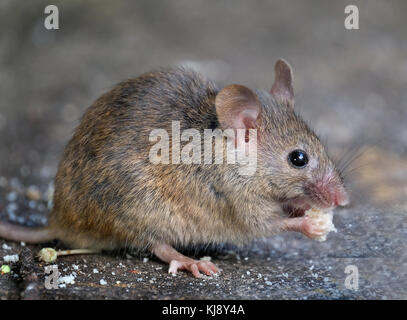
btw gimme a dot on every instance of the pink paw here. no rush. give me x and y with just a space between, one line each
312 228
194 266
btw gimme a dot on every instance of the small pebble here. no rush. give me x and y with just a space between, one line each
12 196
32 204
33 193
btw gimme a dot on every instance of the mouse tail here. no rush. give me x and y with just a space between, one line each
18 233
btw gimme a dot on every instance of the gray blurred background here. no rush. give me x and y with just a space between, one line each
349 84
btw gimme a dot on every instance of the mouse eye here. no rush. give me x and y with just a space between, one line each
298 159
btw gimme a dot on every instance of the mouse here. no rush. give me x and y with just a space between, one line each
109 194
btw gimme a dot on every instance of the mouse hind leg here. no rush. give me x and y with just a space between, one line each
178 261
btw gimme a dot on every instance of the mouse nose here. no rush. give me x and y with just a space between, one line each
331 193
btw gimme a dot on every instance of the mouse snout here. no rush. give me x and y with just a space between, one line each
336 195
340 197
329 194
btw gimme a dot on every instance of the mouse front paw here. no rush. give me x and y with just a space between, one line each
193 266
313 228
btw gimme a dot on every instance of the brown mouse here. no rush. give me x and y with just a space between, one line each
109 195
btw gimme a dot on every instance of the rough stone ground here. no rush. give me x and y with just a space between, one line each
287 267
350 85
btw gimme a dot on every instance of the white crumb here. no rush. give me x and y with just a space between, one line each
103 282
6 247
70 279
11 258
324 219
95 271
206 258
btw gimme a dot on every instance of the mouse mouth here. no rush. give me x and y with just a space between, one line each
295 208
294 212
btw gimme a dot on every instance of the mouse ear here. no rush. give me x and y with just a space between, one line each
237 107
282 89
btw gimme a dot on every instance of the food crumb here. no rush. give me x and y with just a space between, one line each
5 269
6 247
103 282
70 279
47 255
206 258
11 258
324 219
